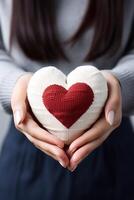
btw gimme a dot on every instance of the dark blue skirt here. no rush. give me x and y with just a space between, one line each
108 173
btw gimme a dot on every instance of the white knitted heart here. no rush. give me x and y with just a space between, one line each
46 77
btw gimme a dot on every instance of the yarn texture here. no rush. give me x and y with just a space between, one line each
67 105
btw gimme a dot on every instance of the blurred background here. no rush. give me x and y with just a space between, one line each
5 120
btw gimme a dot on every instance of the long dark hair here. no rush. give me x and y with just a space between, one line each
33 26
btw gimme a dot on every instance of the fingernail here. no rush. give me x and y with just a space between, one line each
73 168
110 117
17 116
62 164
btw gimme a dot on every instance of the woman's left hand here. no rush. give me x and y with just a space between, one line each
103 127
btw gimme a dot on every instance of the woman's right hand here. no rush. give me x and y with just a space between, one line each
25 123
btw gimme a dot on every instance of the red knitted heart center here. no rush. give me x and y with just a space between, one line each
68 105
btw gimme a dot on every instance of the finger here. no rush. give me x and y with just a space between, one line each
46 152
51 150
85 150
30 138
99 128
18 99
113 104
32 128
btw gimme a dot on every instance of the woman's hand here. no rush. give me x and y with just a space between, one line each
109 120
24 122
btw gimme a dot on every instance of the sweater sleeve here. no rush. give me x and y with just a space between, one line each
9 73
124 71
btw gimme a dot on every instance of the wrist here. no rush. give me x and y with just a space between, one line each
109 75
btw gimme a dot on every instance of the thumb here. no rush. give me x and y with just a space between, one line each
112 104
18 99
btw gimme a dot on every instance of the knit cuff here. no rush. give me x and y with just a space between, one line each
6 88
126 80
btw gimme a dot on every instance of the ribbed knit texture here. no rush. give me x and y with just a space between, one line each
8 78
124 71
68 105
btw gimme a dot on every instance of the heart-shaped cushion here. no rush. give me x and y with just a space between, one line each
67 105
